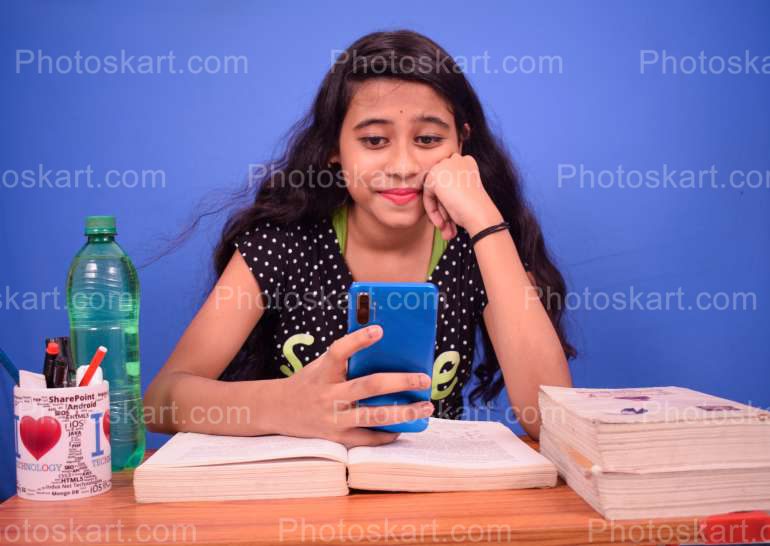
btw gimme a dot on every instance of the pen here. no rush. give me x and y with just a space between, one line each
95 361
69 373
12 370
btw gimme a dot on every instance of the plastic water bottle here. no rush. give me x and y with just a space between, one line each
103 309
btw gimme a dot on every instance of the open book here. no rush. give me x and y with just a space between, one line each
448 456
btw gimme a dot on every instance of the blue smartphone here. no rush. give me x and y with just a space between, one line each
407 313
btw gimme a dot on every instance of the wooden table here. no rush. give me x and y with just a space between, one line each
545 516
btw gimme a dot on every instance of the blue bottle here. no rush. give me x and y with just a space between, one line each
103 309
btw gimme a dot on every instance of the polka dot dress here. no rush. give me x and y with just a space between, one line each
304 279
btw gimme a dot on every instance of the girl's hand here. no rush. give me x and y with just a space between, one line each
319 402
454 195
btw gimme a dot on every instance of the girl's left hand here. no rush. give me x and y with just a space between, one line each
454 195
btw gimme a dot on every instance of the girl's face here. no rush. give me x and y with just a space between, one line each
393 133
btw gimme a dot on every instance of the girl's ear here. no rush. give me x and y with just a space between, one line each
334 158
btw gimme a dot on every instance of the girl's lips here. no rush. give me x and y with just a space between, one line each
400 196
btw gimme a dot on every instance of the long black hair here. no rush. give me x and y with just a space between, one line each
403 55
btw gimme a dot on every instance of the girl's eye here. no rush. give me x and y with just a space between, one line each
428 140
373 141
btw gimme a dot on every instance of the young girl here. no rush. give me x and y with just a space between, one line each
393 176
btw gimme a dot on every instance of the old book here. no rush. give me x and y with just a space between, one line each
657 452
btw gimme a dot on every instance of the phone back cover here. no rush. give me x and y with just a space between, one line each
407 313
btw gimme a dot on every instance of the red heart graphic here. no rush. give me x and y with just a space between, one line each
106 424
39 435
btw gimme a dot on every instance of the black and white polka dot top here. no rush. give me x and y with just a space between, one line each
304 278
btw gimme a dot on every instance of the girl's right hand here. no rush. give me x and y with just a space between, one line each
319 402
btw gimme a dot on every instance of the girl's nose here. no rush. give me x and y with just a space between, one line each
402 163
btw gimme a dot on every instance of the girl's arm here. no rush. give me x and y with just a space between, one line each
525 341
186 395
317 402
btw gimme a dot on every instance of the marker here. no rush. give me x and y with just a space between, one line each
65 355
12 370
95 361
51 352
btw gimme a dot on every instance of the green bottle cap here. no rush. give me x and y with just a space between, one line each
100 225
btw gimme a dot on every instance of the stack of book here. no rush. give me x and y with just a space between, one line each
448 456
658 451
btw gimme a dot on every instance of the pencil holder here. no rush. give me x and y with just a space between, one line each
62 442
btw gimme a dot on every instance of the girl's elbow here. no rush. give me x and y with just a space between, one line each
532 429
154 400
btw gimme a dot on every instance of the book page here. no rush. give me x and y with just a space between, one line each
455 444
650 405
192 449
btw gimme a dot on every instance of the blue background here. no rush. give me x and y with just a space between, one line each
204 130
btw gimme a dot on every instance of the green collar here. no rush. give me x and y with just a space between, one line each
340 225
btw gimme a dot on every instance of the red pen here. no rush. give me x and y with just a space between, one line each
95 361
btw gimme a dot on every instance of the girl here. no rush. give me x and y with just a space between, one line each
392 176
